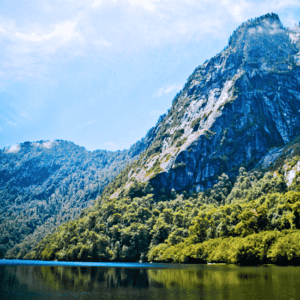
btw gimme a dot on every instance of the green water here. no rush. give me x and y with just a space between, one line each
158 282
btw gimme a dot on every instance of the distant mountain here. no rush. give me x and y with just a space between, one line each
221 168
46 183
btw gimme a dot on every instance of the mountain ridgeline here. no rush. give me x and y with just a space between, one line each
46 183
232 110
220 171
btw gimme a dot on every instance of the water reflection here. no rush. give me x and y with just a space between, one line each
179 282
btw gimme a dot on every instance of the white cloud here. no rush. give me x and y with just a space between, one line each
30 50
11 123
96 3
25 115
155 113
103 43
31 47
2 30
13 149
82 126
47 145
65 31
168 89
240 10
146 4
279 4
111 146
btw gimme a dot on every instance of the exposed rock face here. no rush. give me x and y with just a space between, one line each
291 174
270 157
232 111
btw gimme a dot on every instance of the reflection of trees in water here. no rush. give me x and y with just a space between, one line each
18 278
213 276
230 282
193 282
94 278
136 278
19 275
89 278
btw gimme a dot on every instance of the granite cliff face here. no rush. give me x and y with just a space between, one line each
233 110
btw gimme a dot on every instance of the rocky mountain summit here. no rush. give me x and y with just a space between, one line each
232 111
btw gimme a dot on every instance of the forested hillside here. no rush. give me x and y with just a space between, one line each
219 181
44 184
252 220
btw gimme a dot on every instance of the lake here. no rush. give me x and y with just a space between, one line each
54 280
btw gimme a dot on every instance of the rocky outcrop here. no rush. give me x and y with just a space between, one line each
232 111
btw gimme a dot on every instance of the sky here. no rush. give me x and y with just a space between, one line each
99 73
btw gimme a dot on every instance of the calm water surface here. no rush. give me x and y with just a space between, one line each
36 280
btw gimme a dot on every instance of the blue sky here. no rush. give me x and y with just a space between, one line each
99 73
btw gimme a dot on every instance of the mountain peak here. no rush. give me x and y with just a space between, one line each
270 17
267 23
232 110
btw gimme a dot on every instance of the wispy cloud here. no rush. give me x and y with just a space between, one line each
80 127
13 149
25 115
46 145
90 122
27 48
155 113
96 3
146 4
149 5
168 89
64 31
32 44
103 43
11 123
111 146
84 125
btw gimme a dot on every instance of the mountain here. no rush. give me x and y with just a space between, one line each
46 183
221 170
251 220
233 109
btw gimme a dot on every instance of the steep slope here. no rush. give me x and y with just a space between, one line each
233 109
238 111
44 184
257 222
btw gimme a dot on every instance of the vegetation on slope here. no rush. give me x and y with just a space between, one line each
134 220
254 220
45 184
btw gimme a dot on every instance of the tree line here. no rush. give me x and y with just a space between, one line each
253 220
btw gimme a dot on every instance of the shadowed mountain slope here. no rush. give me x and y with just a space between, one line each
46 183
232 110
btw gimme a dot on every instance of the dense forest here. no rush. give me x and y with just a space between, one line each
254 219
44 184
